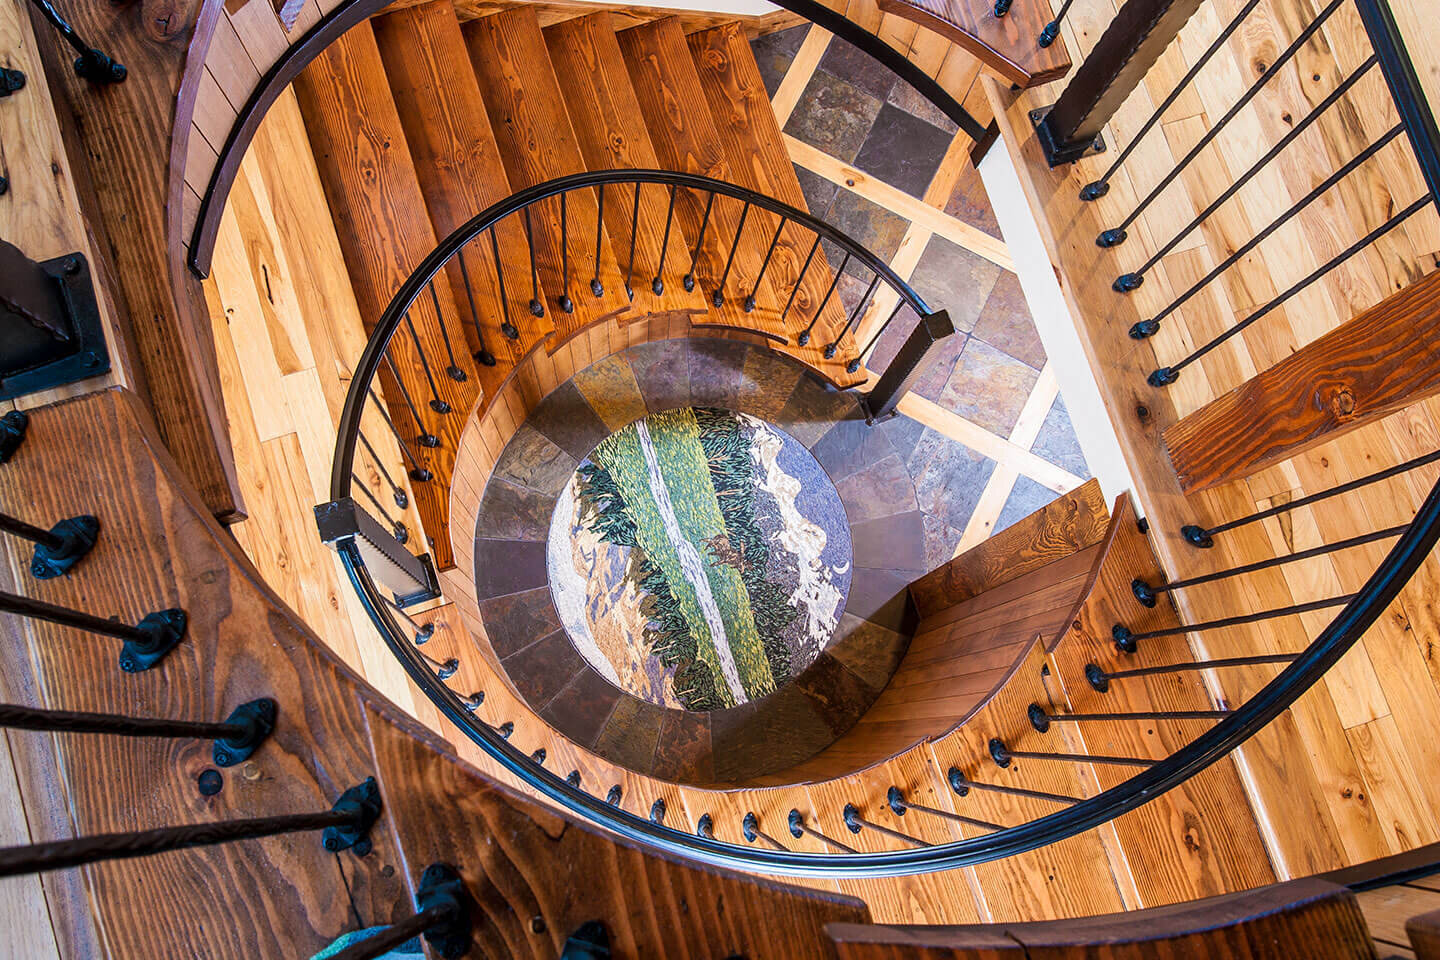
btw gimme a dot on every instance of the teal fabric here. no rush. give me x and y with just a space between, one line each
410 950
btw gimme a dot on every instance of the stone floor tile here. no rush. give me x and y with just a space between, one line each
858 68
988 387
1027 497
1005 322
774 53
833 116
903 150
907 98
1057 442
949 277
949 478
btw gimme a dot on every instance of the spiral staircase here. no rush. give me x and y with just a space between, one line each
1165 703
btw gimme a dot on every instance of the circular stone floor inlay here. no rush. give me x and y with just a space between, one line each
699 558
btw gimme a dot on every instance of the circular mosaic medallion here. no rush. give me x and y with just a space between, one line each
699 558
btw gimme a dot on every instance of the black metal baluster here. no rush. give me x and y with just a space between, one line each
1040 719
688 281
795 288
750 830
749 304
537 756
718 298
473 702
426 438
898 804
855 364
566 303
1004 756
402 534
804 337
1052 29
443 671
506 728
657 811
1099 679
506 327
12 430
657 285
851 815
573 778
90 64
962 787
236 738
798 829
1202 537
634 233
1116 235
423 632
1148 328
58 549
596 287
1164 376
1146 594
417 473
482 356
146 643
614 795
705 827
537 308
436 404
347 824
452 371
834 346
443 916
1098 188
402 499
1125 640
1127 282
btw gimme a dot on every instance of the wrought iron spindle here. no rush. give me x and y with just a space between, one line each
1125 640
1041 719
962 787
91 64
417 473
58 549
506 728
436 404
804 337
596 287
444 909
1052 29
443 671
506 327
795 288
1004 756
1148 328
423 631
855 822
1146 594
657 285
537 756
1099 679
1116 235
236 738
749 304
401 532
705 827
1127 282
634 233
346 825
833 347
402 499
1164 376
426 438
718 298
1098 188
657 811
799 828
1204 537
899 805
566 303
688 281
474 701
613 796
537 308
482 356
146 643
750 830
452 371
573 778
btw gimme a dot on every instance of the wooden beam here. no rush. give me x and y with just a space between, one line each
1382 360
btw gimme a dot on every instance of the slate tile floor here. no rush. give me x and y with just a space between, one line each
858 112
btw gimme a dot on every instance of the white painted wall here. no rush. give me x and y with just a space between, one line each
1054 324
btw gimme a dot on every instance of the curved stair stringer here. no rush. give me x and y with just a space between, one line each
285 896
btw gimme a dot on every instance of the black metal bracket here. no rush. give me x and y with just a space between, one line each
1096 677
411 579
851 816
77 535
11 81
361 801
91 64
1038 718
999 752
895 800
957 781
1059 153
12 433
442 886
1144 593
164 630
50 329
591 941
1124 639
258 716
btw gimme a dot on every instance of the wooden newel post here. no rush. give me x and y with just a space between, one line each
915 356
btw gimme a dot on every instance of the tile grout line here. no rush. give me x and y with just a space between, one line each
802 68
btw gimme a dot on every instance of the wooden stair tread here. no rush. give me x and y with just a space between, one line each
458 164
379 210
757 158
1009 45
532 128
610 131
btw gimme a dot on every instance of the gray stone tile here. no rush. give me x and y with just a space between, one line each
765 383
543 669
908 99
1005 322
515 621
970 203
891 339
1027 497
947 353
532 460
940 542
662 369
869 224
838 695
953 279
891 543
851 445
904 434
716 367
868 649
580 710
858 68
833 116
1057 442
949 478
512 512
988 387
566 418
903 150
774 53
813 409
508 566
819 192
882 597
630 734
882 489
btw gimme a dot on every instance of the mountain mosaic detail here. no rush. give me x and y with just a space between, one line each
699 558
